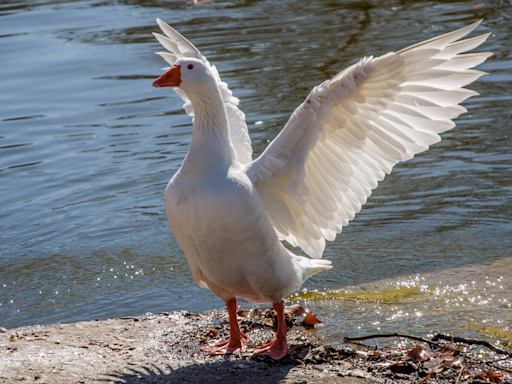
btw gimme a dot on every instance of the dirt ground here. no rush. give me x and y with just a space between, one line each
165 349
155 348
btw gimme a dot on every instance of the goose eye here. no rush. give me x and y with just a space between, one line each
190 66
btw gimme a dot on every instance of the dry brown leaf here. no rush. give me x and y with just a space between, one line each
311 319
295 310
455 362
433 363
494 377
243 313
448 349
253 312
418 354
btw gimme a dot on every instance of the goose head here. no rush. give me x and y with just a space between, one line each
189 74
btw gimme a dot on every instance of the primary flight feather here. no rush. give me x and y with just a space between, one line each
229 212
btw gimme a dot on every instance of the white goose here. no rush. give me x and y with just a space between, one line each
229 212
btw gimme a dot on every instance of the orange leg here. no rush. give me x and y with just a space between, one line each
236 336
278 348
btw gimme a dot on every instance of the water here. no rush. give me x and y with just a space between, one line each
87 146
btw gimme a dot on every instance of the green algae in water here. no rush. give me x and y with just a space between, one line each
389 296
503 334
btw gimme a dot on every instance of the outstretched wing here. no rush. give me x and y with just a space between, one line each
181 47
351 131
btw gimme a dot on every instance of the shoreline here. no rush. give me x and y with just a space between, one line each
164 348
160 348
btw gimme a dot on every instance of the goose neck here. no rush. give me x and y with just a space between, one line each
210 115
210 136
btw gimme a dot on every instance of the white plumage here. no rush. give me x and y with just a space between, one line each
228 212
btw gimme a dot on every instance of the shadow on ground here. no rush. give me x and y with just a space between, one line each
220 371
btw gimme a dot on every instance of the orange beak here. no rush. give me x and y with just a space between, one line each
171 78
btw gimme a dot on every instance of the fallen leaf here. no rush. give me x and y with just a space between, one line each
447 349
311 319
433 363
418 354
253 312
295 310
494 377
452 362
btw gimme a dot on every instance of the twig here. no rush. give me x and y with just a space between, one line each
460 374
416 338
484 343
426 377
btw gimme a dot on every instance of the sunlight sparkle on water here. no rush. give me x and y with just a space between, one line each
392 305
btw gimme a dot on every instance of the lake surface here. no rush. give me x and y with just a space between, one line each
87 146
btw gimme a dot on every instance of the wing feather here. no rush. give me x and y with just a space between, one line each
351 131
181 47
